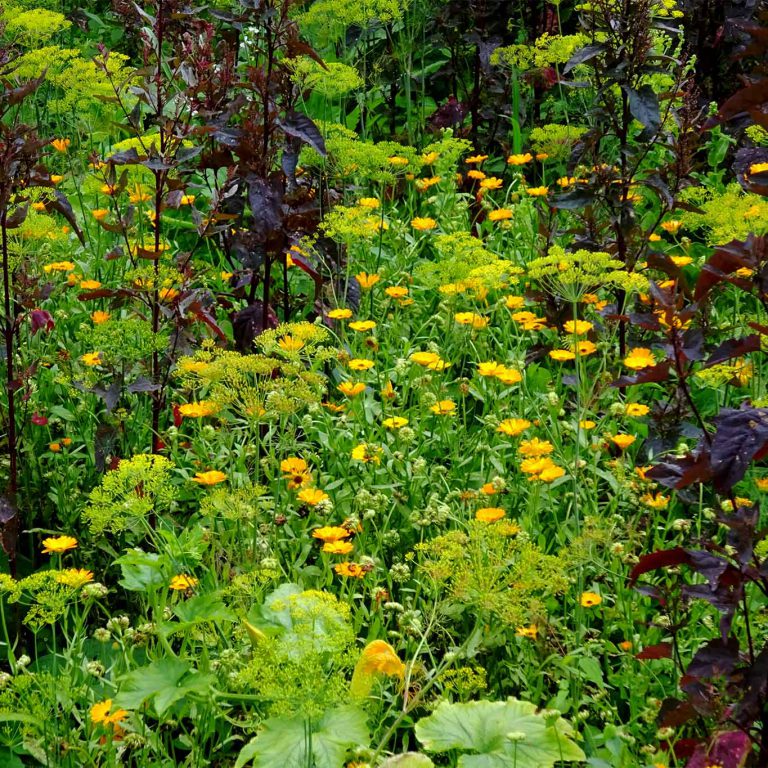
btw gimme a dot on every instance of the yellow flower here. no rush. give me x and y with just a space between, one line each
198 410
489 514
423 224
530 632
475 174
312 496
471 318
91 358
75 577
590 599
542 156
587 424
508 376
535 447
566 181
59 266
396 291
351 388
341 314
377 659
501 214
551 473
368 202
56 178
388 391
352 570
367 453
397 160
520 159
659 501
514 302
395 422
330 533
367 281
443 407
338 547
654 238
489 369
360 364
623 441
424 358
211 477
61 145
54 447
296 471
529 321
100 714
429 157
513 427
476 159
681 261
561 355
100 214
290 344
762 483
639 358
672 226
758 168
585 348
90 285
362 325
182 582
491 183
636 409
577 327
537 191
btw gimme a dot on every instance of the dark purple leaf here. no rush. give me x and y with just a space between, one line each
303 128
666 558
728 749
658 651
734 348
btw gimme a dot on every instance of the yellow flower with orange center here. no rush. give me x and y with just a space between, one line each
312 496
489 514
296 471
672 226
500 214
367 453
508 376
396 291
562 355
491 183
590 599
102 714
636 409
330 533
443 407
360 364
211 477
350 570
520 159
91 359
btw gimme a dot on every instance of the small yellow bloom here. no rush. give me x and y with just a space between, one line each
639 358
397 160
623 441
636 409
508 376
367 281
520 159
476 159
61 145
514 302
423 224
471 318
562 355
198 410
500 214
100 317
672 227
396 291
340 314
55 545
312 496
211 477
513 427
91 358
338 547
491 183
101 715
329 533
362 325
395 422
367 453
443 407
182 582
360 364
577 327
351 388
590 599
659 501
535 447
59 266
371 203
351 570
587 424
489 514
290 344
75 577
90 285
537 191
531 632
100 213
681 261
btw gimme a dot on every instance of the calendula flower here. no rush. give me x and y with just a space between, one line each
566 181
476 174
476 159
585 348
377 659
91 358
368 202
396 291
489 514
100 214
520 159
351 570
397 160
535 447
537 191
672 227
551 473
330 533
290 343
443 407
367 281
681 261
577 327
362 325
424 358
351 388
762 484
471 318
198 410
341 314
395 422
211 477
489 368
657 501
587 424
296 471
491 183
182 582
513 427
623 441
367 453
500 214
75 577
101 714
388 391
529 321
338 547
508 376
636 409
90 285
61 145
531 632
562 355
590 599
514 302
654 238
360 364
59 266
312 496
423 224
54 447
639 358
55 545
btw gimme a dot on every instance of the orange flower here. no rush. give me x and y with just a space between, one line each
351 570
350 388
489 514
211 477
330 533
513 427
61 145
367 281
55 545
590 599
623 441
423 224
312 496
639 358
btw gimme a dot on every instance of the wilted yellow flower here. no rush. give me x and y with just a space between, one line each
182 582
377 659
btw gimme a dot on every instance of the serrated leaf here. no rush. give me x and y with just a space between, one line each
484 728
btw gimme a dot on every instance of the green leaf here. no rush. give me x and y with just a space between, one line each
9 760
141 570
503 734
202 608
285 741
408 760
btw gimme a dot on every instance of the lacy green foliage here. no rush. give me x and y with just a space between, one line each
464 682
326 21
449 150
460 257
36 694
352 223
45 597
739 372
757 134
256 386
139 486
240 504
571 275
555 140
728 215
32 28
124 341
547 51
335 81
49 58
304 653
490 569
37 238
597 535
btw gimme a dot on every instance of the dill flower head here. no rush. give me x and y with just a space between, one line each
55 545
